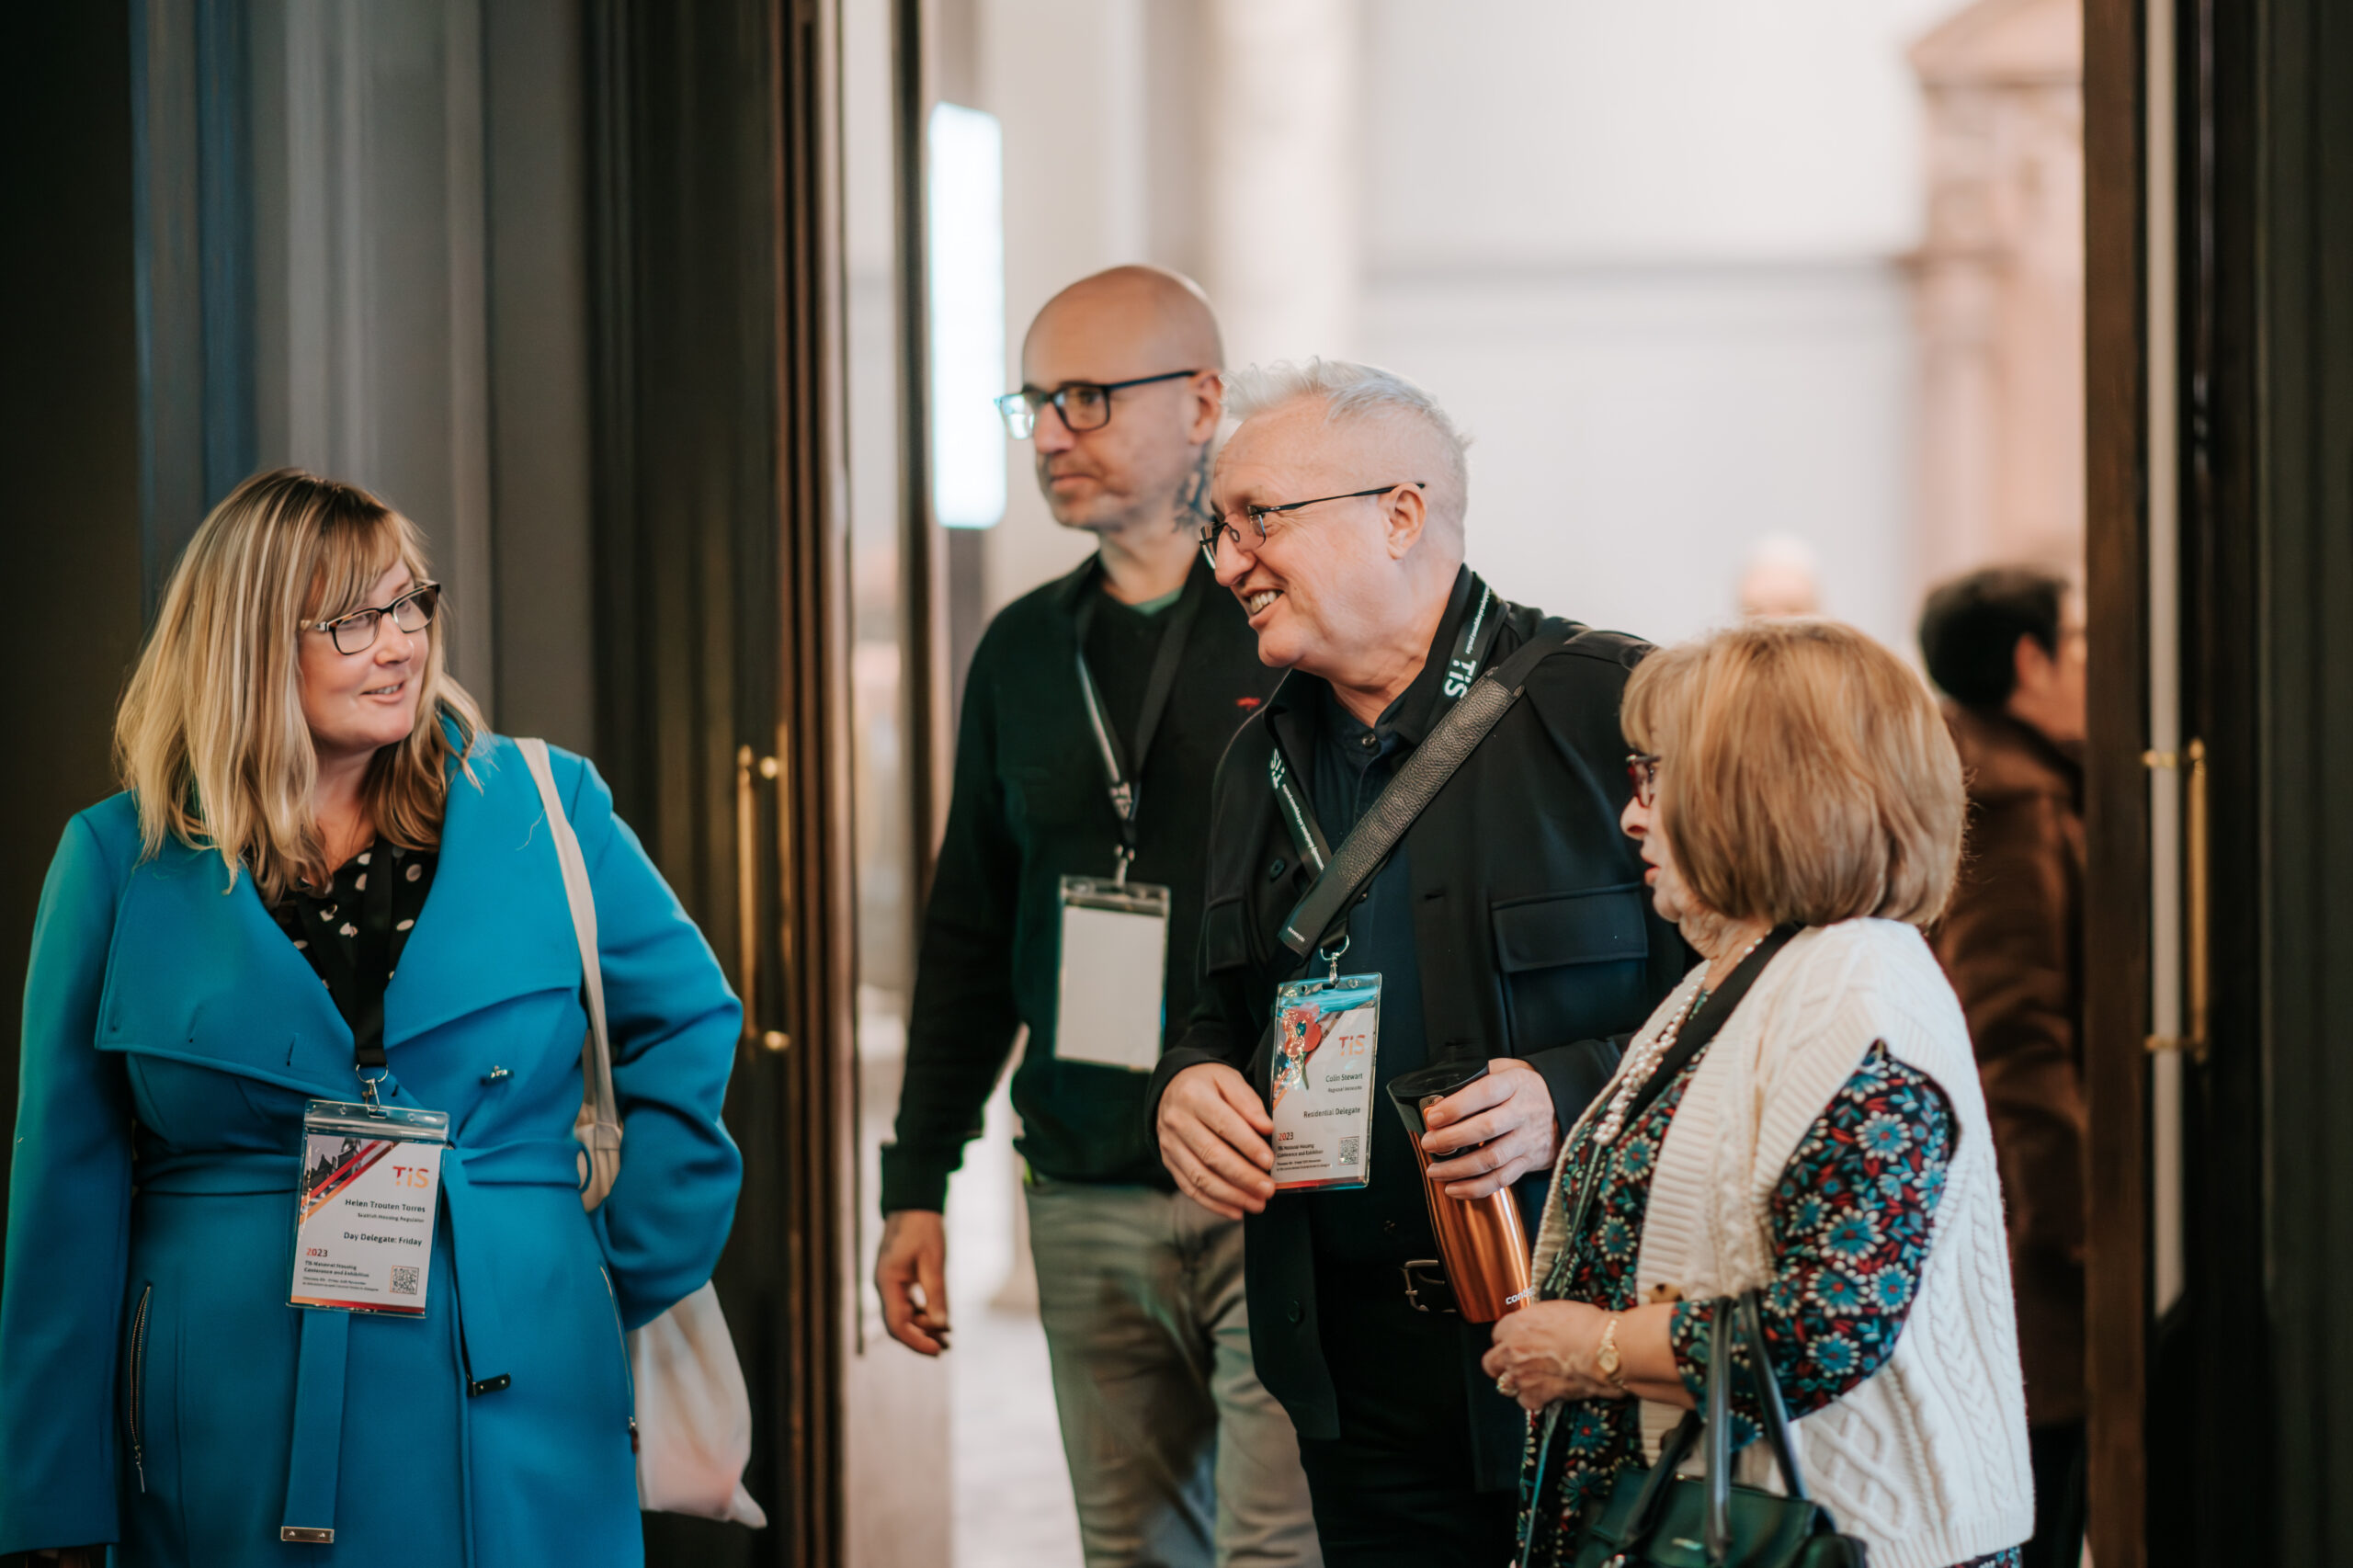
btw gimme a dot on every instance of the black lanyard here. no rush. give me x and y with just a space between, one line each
1703 1021
1470 649
357 979
1124 783
1709 1013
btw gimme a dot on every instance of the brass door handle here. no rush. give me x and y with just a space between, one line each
748 907
786 885
2193 760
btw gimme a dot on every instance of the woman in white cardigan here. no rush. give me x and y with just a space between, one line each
1797 799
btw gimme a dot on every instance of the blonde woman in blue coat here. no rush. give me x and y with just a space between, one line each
326 881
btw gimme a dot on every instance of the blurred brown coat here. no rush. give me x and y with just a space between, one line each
2012 942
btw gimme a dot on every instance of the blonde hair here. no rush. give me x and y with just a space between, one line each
210 736
1806 775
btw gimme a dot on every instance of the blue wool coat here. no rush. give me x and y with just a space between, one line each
156 1388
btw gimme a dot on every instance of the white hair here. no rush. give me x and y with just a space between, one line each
1352 392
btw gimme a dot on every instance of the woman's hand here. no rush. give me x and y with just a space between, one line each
1543 1354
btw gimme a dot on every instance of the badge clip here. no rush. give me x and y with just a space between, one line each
1332 957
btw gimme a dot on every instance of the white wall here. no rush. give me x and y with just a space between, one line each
1650 255
1068 79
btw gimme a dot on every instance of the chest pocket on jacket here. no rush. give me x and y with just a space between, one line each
1225 936
1572 965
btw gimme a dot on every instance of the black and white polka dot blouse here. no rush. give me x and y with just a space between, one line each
325 925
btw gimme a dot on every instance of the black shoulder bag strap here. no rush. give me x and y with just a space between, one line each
1322 913
1122 781
1698 1031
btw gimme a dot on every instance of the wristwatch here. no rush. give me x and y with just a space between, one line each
1606 1359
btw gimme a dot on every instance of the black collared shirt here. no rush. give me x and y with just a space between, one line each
1387 1221
1532 937
1030 807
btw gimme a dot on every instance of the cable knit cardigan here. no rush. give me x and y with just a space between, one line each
1926 1460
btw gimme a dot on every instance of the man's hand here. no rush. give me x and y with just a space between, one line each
911 1273
1217 1140
1510 1113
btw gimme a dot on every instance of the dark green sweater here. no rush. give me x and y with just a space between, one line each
1029 808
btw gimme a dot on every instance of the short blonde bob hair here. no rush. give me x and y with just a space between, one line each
210 735
1805 777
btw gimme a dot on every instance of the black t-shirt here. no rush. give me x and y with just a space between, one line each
1030 807
1122 640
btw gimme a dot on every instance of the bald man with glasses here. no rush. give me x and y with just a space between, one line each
1068 902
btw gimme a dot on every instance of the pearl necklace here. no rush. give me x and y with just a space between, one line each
1638 1071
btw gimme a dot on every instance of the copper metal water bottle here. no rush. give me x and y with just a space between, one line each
1481 1239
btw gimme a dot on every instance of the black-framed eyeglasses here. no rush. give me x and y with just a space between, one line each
1642 767
357 632
1218 530
1084 406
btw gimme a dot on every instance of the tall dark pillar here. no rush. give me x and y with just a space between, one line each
69 445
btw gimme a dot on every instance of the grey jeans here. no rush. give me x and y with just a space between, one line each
1178 1458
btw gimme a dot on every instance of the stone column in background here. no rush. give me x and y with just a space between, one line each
2001 289
1282 180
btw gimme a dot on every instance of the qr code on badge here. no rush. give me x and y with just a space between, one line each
403 1280
1348 1147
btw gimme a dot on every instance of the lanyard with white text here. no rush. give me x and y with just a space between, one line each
1124 783
1470 649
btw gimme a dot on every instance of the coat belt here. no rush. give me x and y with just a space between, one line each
319 1376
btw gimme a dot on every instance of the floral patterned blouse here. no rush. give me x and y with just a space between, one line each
1850 1222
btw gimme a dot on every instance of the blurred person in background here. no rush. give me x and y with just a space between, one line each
1779 580
2008 647
1508 929
1095 711
326 880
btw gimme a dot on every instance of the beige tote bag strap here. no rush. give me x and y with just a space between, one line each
598 1127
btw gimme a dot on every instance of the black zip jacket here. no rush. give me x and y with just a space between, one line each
1030 807
1535 936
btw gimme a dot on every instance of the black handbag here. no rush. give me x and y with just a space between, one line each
1656 1518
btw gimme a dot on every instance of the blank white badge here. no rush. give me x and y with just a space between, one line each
1114 960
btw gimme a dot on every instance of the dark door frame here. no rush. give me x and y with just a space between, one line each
2116 934
721 586
2214 1436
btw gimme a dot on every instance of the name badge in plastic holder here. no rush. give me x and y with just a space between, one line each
1115 963
1326 1032
365 1210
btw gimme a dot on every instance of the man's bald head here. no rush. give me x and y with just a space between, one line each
1127 322
1149 335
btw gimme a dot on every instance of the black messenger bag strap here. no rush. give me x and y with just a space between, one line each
1362 854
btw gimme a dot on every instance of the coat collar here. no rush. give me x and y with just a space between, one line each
204 974
495 925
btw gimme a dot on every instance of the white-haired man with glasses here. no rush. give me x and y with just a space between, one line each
1507 930
1067 899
